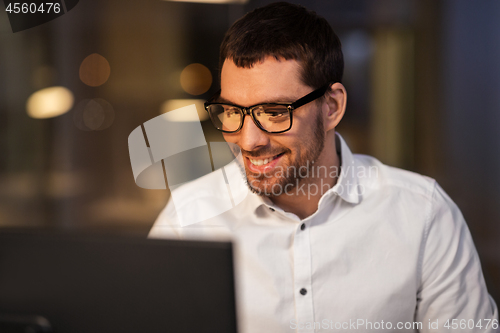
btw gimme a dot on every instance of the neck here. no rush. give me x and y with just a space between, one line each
303 200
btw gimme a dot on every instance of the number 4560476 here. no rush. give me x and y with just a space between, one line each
470 324
27 7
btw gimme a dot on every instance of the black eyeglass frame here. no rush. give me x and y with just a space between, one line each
314 95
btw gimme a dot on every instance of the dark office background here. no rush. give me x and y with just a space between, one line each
423 80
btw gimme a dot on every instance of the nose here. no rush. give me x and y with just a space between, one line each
250 137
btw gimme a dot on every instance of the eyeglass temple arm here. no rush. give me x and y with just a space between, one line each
304 100
311 97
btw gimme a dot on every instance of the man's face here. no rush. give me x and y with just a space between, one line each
272 161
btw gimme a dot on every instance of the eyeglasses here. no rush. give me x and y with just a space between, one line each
269 117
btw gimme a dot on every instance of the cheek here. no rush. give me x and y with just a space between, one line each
303 138
232 138
293 146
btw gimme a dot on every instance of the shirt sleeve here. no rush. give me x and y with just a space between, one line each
452 284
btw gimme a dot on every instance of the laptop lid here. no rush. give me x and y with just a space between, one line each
98 284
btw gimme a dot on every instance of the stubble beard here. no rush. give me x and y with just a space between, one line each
285 179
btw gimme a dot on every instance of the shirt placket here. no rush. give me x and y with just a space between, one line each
302 279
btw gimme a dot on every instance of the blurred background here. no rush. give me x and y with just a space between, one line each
423 80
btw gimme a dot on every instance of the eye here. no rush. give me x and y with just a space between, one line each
276 113
230 111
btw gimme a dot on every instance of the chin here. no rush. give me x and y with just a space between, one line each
269 187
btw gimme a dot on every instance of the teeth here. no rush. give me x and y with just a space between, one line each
262 162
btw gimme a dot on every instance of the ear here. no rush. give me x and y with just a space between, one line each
334 105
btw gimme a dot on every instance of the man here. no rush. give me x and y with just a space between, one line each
326 240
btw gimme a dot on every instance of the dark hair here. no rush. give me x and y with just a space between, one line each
286 31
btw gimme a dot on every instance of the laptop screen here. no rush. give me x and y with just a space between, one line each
103 284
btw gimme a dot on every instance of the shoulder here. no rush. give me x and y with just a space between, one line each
410 199
377 176
409 193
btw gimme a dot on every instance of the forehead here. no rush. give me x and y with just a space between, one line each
268 81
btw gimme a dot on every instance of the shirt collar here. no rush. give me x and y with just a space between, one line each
347 183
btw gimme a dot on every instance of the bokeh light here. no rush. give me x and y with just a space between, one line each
175 104
49 102
94 70
196 79
93 114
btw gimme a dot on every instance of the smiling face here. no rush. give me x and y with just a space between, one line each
272 161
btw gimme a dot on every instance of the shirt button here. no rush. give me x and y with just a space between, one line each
303 226
303 291
272 209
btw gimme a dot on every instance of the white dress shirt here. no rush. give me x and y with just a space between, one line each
386 251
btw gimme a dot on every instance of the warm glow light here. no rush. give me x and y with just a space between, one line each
213 1
49 102
175 104
196 79
94 70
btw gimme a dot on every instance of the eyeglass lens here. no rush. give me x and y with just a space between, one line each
272 118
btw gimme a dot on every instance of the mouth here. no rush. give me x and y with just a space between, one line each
263 164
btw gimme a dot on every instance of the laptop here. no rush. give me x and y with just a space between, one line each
69 283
